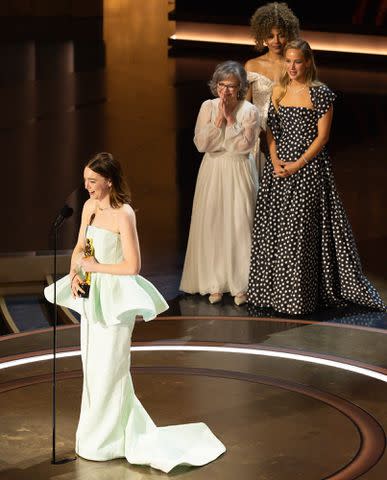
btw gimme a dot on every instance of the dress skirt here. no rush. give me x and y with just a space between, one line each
113 423
218 250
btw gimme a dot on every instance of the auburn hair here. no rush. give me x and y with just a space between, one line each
108 167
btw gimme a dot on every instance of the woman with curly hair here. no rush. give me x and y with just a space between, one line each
303 254
218 251
272 25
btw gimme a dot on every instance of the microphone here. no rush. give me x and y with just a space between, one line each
65 212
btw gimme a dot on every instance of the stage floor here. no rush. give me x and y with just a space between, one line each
290 399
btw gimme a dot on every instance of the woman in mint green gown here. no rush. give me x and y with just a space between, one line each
112 422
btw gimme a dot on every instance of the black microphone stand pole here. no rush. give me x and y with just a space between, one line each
65 213
54 346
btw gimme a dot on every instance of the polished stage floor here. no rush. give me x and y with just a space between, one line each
291 398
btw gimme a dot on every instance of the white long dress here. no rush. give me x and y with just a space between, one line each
261 89
113 423
218 250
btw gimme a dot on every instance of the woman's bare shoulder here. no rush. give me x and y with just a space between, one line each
257 65
89 206
126 213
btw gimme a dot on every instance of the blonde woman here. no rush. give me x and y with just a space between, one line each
303 251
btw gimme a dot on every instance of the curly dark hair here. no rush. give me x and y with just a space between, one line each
273 15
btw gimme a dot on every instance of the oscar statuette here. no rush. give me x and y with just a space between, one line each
85 285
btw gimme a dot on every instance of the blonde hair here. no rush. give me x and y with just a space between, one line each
311 71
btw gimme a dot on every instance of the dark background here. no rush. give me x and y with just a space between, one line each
354 16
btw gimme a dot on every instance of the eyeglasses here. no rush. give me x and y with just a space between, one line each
229 86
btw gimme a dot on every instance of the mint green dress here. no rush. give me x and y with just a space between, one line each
112 422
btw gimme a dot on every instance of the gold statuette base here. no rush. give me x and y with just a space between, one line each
86 288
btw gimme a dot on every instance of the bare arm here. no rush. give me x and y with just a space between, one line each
272 147
324 129
79 247
278 165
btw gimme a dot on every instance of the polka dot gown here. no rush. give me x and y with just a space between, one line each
303 251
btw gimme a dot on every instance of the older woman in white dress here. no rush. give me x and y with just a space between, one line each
218 251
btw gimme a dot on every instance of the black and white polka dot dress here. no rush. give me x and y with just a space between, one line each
303 251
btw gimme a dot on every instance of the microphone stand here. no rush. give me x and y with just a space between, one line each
64 213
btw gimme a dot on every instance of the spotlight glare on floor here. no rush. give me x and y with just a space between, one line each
213 349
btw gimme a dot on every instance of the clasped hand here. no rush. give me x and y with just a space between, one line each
285 169
225 110
75 286
88 265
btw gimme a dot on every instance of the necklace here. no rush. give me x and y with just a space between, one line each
103 209
299 89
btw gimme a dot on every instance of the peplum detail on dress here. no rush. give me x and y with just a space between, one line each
113 423
113 299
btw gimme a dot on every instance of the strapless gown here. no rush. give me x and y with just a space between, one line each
113 423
